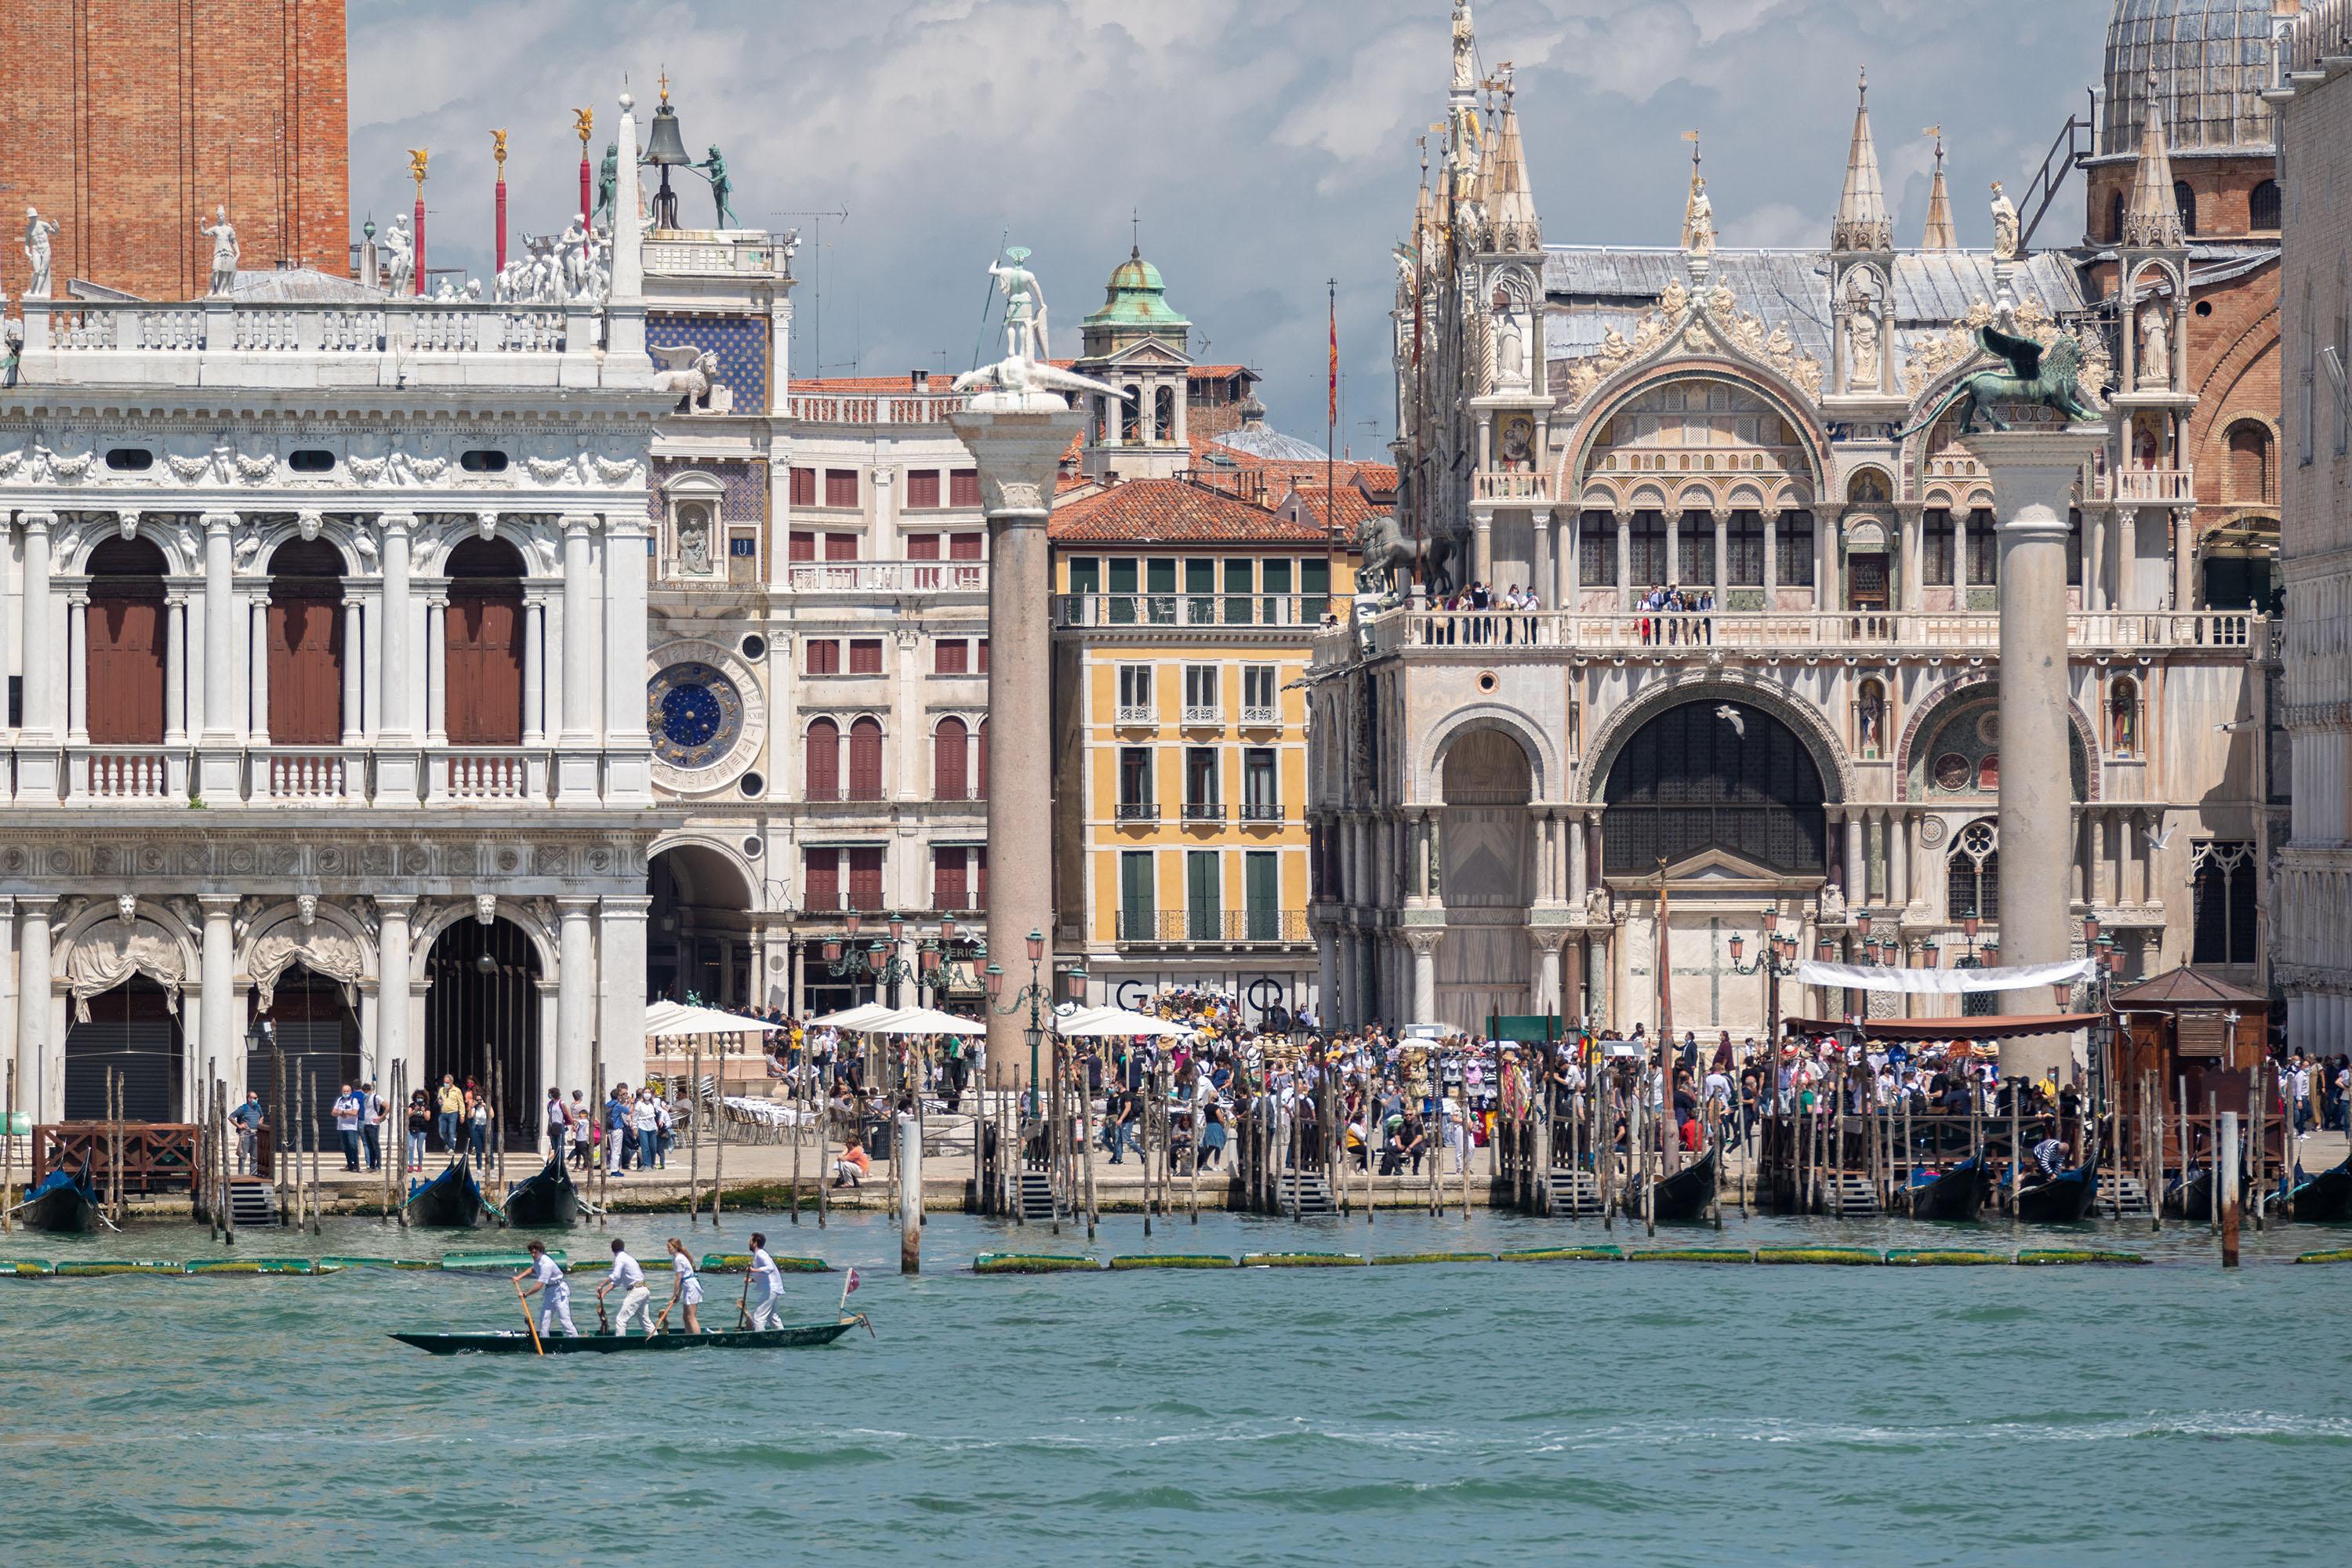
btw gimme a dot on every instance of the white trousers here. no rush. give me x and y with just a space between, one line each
556 1307
767 1307
639 1300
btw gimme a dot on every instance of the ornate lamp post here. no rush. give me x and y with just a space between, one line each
1778 959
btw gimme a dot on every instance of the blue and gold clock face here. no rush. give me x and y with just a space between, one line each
694 714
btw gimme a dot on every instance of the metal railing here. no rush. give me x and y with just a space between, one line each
1212 928
1148 610
1264 811
1200 811
878 577
1137 811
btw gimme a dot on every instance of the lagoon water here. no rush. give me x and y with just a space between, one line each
1434 1415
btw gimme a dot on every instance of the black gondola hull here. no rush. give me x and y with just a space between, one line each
512 1342
450 1201
548 1201
1681 1197
70 1209
2065 1199
2326 1198
2192 1199
1957 1194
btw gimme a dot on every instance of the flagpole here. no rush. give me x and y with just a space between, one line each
1330 455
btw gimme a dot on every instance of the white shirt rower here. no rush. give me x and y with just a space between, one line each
636 1298
766 1305
554 1293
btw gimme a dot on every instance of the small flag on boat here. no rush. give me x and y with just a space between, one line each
849 1285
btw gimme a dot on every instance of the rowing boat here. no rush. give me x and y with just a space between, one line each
510 1342
2064 1199
450 1201
2325 1197
62 1201
1681 1197
1955 1193
547 1201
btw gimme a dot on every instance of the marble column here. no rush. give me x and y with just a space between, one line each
396 762
1482 547
1017 439
1899 860
628 747
2127 559
78 668
1424 974
1579 865
40 1062
579 635
1547 591
2033 473
8 981
354 672
571 1061
1857 860
394 971
175 670
2184 560
436 669
258 663
621 985
1326 970
223 620
2095 558
1625 561
1722 550
42 717
219 1035
1771 561
534 669
1547 998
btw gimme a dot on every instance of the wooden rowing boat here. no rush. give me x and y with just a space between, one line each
547 1201
2064 1199
1681 1197
63 1201
509 1342
2326 1198
1955 1193
2192 1199
450 1201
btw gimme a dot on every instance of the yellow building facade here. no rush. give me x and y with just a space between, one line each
1183 615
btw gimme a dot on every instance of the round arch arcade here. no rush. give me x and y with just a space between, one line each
482 1003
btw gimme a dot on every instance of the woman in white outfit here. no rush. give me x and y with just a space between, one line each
688 1291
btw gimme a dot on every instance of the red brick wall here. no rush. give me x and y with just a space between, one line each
133 119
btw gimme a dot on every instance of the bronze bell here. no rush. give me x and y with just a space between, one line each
666 151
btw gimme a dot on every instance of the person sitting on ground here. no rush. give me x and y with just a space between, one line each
851 1164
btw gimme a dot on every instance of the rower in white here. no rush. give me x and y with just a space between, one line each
688 1289
546 1277
635 1296
768 1286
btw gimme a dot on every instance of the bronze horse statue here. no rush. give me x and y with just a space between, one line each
1388 552
2049 377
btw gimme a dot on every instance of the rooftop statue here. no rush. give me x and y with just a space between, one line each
2032 376
38 230
226 250
721 188
1023 383
2005 240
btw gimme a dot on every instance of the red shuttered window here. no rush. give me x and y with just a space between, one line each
922 487
821 879
865 761
824 761
841 487
963 488
951 760
866 879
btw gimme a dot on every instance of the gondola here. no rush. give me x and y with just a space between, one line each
450 1201
2324 1199
547 1201
512 1342
63 1201
2192 1199
2064 1199
1955 1193
1681 1197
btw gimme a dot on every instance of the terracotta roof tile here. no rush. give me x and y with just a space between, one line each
1311 505
1172 512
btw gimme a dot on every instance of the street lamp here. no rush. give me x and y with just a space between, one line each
1775 960
1033 994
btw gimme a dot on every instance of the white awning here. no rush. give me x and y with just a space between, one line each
1118 1023
923 1021
861 1016
671 1021
1943 982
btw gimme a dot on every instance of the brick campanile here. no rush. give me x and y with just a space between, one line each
131 119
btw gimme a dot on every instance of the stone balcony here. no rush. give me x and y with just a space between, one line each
888 408
2142 486
1495 489
866 579
1663 637
435 775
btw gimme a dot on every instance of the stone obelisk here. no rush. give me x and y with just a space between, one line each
1018 423
2034 469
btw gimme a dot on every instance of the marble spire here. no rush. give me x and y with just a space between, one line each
1511 205
1941 235
2152 217
1862 221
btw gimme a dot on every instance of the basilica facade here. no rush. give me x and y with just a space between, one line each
1758 689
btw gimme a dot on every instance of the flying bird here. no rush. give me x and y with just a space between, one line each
1733 717
2161 840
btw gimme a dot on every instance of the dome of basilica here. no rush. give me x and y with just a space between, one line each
2212 59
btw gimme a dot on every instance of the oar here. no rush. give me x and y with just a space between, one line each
743 1308
525 1305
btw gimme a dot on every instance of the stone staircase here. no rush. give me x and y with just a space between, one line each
2133 1193
1305 1194
1036 1195
1850 1194
252 1200
1574 1193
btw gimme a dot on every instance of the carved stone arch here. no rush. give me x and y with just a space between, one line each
1806 721
1647 497
1544 767
287 912
1934 706
2167 277
1517 283
690 838
1669 363
335 528
1694 495
455 527
157 939
517 912
1747 498
158 529
188 938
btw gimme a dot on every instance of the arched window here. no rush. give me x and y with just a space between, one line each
2122 715
482 644
2115 219
306 644
1163 414
823 759
1130 416
2249 474
2263 206
2186 200
1974 867
866 760
1692 779
2226 895
980 771
951 760
1870 721
123 699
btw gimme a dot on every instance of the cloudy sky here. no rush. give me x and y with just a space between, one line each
1265 145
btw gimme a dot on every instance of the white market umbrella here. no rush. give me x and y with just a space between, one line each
680 1021
862 1016
923 1021
1100 1022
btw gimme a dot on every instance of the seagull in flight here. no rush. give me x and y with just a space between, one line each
1733 717
2160 841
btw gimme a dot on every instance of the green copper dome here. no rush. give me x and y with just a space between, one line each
1137 300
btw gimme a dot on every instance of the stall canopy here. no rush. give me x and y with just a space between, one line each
861 1016
922 1021
671 1020
1943 982
1118 1023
